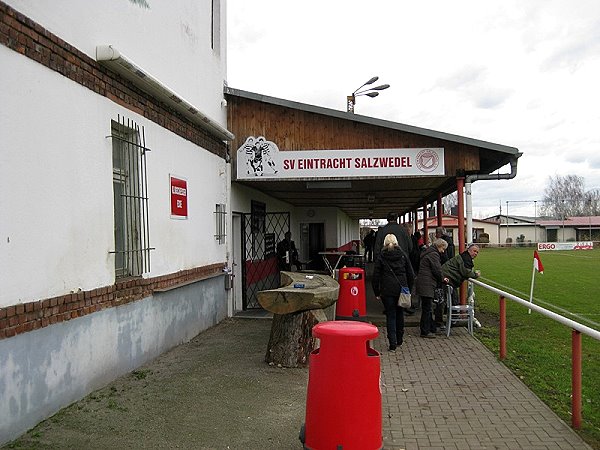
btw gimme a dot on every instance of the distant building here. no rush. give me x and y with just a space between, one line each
543 229
450 223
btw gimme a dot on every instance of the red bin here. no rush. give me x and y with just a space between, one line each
343 400
352 298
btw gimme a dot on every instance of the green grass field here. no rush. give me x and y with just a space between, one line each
538 348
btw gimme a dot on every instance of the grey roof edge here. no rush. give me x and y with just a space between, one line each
373 121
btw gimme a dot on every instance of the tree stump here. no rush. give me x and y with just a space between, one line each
291 341
296 310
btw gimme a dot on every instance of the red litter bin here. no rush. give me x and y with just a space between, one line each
343 400
352 298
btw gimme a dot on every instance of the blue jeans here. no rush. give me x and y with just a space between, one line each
394 320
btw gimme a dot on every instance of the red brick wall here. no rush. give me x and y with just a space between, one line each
28 38
29 316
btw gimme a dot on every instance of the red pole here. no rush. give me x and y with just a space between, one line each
576 379
502 327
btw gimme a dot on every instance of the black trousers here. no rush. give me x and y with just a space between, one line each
427 323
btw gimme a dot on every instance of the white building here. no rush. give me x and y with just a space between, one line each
113 177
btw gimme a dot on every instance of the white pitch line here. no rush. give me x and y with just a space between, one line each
540 301
571 255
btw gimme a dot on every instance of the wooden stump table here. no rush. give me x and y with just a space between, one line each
296 310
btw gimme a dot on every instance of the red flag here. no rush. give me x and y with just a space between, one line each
537 262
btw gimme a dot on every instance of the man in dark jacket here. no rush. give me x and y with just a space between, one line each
369 241
440 233
287 254
430 277
457 269
392 227
461 267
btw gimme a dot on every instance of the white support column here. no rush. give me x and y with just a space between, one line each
469 211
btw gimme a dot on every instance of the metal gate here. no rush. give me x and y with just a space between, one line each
261 233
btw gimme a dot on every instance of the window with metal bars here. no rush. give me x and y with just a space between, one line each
220 216
130 188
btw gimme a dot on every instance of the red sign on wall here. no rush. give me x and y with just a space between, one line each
179 207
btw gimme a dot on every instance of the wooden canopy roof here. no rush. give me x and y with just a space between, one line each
297 126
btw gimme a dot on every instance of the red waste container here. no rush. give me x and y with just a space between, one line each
352 298
343 400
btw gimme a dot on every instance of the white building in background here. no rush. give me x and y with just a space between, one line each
542 229
114 182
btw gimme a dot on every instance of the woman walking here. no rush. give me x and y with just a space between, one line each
392 271
430 277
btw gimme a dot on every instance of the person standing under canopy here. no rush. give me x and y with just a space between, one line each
287 254
391 273
393 227
369 243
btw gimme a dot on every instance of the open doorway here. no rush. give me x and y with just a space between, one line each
312 241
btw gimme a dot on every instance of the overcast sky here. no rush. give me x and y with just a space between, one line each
525 74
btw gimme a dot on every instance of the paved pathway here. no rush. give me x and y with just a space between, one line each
452 393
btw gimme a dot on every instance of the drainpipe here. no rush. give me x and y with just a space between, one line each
470 178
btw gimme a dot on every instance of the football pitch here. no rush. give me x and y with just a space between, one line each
539 348
569 286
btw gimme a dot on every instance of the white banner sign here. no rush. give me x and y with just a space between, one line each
565 246
259 159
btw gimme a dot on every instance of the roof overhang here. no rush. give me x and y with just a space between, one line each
112 58
362 197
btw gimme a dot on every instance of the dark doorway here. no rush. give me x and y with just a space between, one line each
316 244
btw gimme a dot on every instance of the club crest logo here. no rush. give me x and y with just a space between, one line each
427 160
259 156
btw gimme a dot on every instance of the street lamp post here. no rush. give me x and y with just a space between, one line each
369 92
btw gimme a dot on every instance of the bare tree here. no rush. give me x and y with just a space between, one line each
142 3
565 196
592 202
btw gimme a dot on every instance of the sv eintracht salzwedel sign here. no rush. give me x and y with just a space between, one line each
259 159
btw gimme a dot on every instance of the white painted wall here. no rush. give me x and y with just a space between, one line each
148 37
515 231
183 243
348 229
57 225
56 184
56 203
242 196
47 369
339 228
